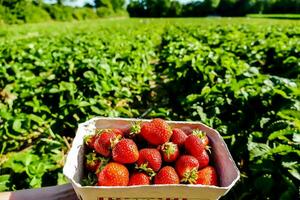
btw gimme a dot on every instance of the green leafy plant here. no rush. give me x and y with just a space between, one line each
240 77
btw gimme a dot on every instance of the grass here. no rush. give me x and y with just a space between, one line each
275 16
34 30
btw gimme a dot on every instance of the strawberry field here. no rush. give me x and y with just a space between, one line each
239 76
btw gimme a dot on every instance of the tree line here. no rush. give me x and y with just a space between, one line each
23 11
170 8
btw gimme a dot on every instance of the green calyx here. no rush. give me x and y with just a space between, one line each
87 139
90 179
100 131
144 168
169 148
103 163
114 141
190 176
91 157
135 128
199 133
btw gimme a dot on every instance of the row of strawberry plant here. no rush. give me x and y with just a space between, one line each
238 78
51 83
257 112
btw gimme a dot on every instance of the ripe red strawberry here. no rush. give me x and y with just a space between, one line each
169 151
92 162
133 132
103 142
89 141
187 167
117 131
167 175
139 178
156 132
125 152
202 135
178 137
193 145
149 160
113 174
207 176
203 159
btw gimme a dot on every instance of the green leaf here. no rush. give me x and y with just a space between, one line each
4 181
36 182
296 138
37 119
17 126
96 110
258 150
61 179
293 168
83 104
287 131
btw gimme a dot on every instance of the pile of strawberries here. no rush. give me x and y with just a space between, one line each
149 153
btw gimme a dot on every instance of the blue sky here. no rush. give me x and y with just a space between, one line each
72 3
82 2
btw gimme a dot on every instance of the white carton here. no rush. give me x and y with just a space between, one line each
225 166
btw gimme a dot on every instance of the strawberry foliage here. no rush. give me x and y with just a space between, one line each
236 75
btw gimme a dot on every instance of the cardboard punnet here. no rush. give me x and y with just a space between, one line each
225 166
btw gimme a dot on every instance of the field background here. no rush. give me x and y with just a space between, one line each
238 75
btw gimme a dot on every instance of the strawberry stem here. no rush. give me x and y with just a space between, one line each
144 168
208 148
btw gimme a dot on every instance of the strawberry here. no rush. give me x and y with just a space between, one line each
125 152
133 132
167 175
139 178
187 167
151 157
169 151
149 161
203 159
202 135
193 145
207 176
156 132
89 141
104 141
92 162
113 174
117 131
178 137
102 163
